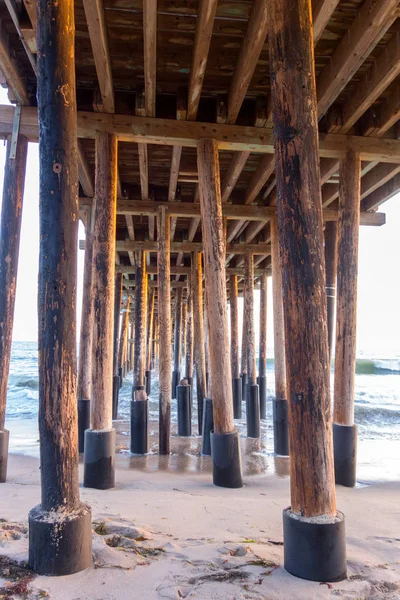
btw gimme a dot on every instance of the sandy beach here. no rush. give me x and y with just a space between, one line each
166 532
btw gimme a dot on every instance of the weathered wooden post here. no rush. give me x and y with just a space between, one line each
262 360
184 389
86 337
123 342
279 402
60 532
330 273
314 540
243 356
99 471
164 329
176 373
189 336
344 430
236 380
198 328
139 402
253 399
207 424
149 345
10 232
225 450
183 328
116 378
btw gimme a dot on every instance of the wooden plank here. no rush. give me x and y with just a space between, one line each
181 270
150 54
204 29
371 23
94 12
232 174
373 83
10 70
389 112
261 175
250 51
301 257
346 312
215 282
380 195
322 10
377 177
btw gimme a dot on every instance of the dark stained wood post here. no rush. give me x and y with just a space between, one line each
234 315
279 402
262 359
99 469
183 328
252 400
60 533
116 377
189 335
10 232
176 374
164 329
330 274
139 402
85 341
198 328
123 342
295 119
149 345
225 449
344 430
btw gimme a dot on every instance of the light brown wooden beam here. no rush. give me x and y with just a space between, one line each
377 177
250 51
181 270
10 70
94 12
322 11
84 171
204 29
261 175
129 128
389 112
150 54
232 174
371 23
381 195
148 246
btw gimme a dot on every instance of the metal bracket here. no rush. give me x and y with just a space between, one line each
15 131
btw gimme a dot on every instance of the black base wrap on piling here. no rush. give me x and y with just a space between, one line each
314 550
281 431
4 440
99 461
207 426
226 461
184 410
253 412
60 543
116 388
176 377
244 379
139 426
237 398
345 454
148 383
262 393
83 422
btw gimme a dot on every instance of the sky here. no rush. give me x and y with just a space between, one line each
378 315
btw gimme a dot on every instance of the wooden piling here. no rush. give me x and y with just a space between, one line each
60 527
198 328
117 311
262 360
279 325
177 341
249 318
10 232
164 329
150 330
184 326
295 121
234 314
123 342
215 281
140 325
330 275
346 312
189 335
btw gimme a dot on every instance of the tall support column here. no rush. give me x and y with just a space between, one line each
139 402
344 430
252 400
99 469
149 345
279 402
262 360
330 274
10 232
164 329
176 374
60 533
294 109
225 449
85 341
184 326
198 327
189 335
236 380
116 372
123 342
243 356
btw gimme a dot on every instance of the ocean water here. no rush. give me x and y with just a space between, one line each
377 393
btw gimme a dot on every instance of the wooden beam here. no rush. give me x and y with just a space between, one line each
10 70
381 195
150 54
94 12
148 246
204 29
232 174
322 11
389 112
371 23
181 270
85 171
377 177
250 51
261 175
